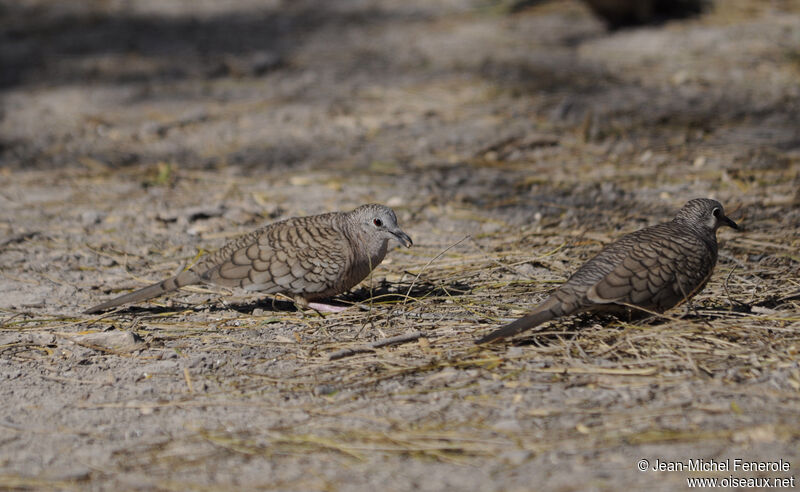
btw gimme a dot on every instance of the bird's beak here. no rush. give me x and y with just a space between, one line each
728 222
404 238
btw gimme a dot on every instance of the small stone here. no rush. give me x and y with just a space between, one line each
92 217
324 390
113 340
516 457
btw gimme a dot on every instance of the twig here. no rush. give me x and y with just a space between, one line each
368 309
341 354
383 342
18 238
188 379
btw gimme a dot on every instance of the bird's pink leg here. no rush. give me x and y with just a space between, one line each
326 308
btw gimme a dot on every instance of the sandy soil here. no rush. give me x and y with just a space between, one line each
513 144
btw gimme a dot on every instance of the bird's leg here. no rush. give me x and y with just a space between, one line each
704 319
319 308
301 303
689 307
326 308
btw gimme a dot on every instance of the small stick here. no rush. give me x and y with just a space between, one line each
407 337
383 342
188 379
725 286
341 354
18 238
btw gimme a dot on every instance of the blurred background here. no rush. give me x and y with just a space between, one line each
499 103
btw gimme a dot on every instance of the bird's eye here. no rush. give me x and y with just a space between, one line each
716 212
377 222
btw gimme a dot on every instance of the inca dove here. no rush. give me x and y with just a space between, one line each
654 268
304 257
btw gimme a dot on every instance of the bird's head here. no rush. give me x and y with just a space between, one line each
704 213
380 222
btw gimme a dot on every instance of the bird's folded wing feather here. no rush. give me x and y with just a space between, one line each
655 273
283 258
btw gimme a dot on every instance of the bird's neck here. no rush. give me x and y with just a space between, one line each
372 251
368 251
709 237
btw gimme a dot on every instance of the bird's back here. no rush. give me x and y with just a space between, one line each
654 268
302 255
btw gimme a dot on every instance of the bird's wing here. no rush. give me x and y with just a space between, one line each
656 273
296 257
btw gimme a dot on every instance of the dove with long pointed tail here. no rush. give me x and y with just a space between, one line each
655 268
305 258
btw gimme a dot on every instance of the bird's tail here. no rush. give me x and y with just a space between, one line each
184 278
545 311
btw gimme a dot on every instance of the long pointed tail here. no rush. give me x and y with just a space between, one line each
525 323
545 311
149 292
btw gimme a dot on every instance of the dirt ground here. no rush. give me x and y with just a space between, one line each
513 141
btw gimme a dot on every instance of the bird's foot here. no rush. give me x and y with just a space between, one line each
326 308
319 308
